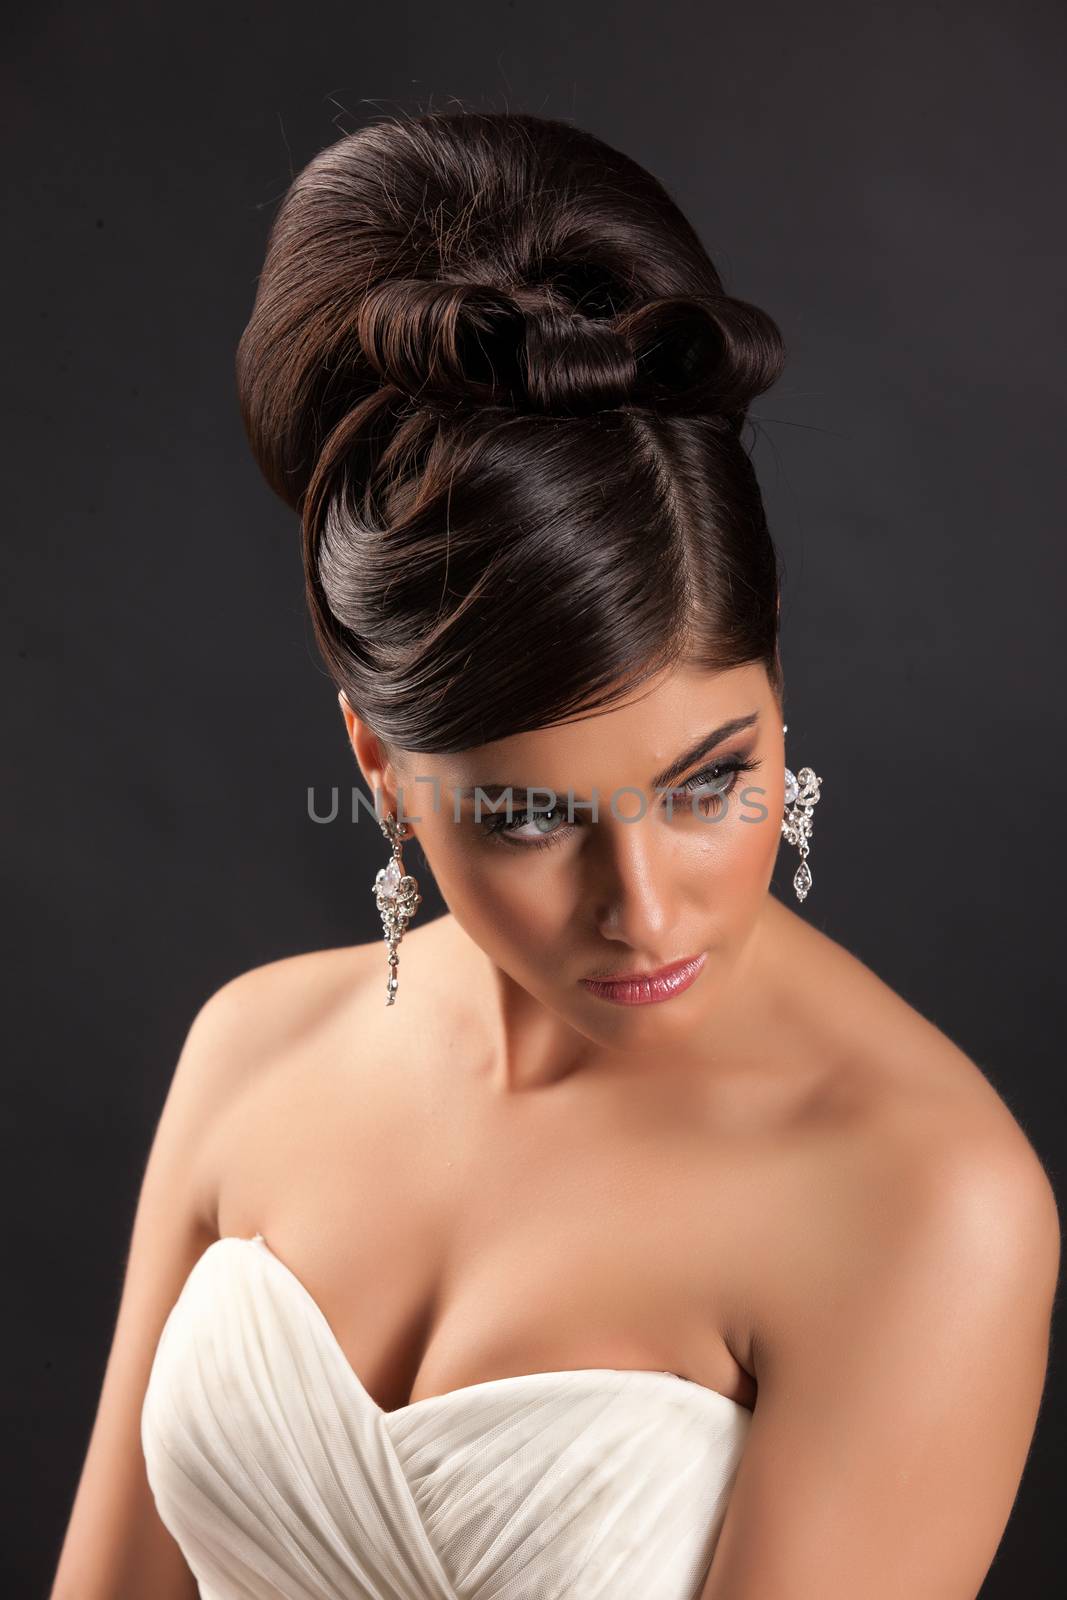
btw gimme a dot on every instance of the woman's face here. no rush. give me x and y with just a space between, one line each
689 787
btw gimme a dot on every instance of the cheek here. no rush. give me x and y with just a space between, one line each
504 897
760 835
735 856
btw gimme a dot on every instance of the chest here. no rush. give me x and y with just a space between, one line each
450 1238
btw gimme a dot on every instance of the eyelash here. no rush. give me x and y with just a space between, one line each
498 828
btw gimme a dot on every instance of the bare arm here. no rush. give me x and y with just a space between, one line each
116 1547
900 1384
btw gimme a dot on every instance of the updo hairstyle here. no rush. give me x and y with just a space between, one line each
494 370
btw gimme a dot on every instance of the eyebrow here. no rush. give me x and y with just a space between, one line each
663 780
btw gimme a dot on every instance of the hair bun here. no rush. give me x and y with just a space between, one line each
457 262
530 349
703 355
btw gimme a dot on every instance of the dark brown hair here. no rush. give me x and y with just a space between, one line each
495 371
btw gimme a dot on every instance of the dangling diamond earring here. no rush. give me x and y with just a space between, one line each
801 794
397 895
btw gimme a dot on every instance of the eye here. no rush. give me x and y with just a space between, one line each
705 787
505 831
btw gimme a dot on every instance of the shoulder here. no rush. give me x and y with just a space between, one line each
284 1016
908 1144
275 1005
884 1058
898 1315
920 1195
969 1195
284 1004
255 1024
950 1177
900 1359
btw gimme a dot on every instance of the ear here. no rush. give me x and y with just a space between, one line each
379 772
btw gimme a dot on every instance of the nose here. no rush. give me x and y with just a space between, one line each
635 890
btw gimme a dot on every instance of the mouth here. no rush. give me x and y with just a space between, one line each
647 988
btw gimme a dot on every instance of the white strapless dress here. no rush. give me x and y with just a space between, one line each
282 1479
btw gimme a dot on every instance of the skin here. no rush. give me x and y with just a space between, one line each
783 1183
549 905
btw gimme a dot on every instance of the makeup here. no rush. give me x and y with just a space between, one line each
642 989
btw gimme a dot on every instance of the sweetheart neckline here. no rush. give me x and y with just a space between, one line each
714 1397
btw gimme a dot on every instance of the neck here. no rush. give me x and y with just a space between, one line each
529 1046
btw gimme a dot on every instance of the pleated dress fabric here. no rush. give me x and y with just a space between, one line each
280 1477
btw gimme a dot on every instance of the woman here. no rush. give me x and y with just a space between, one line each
493 1260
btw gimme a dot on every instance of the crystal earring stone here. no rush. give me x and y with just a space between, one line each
801 795
396 895
387 881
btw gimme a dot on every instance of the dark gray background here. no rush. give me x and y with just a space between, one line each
885 180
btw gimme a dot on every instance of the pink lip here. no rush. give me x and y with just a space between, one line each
645 988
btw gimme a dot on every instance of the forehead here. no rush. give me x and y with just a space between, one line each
625 744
